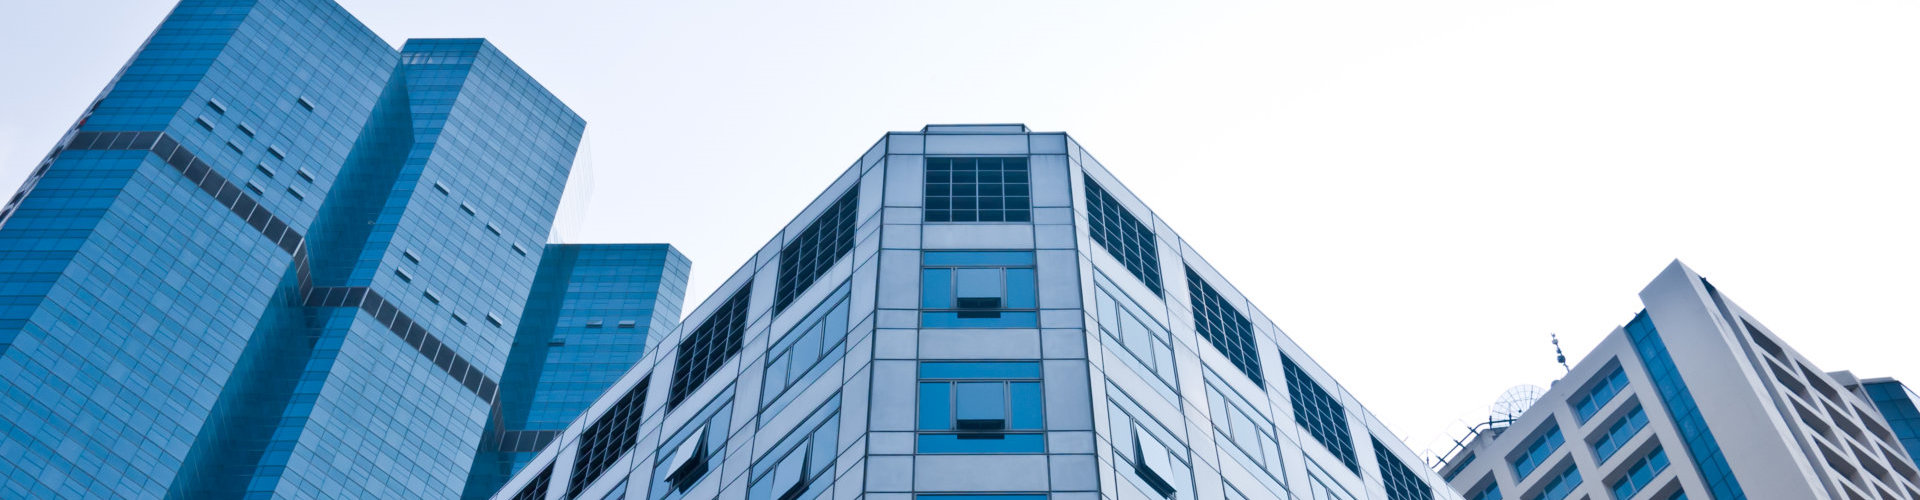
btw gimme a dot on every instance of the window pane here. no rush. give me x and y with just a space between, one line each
1154 455
936 409
990 319
825 442
1134 334
836 327
776 379
1163 360
1243 429
979 283
1108 315
995 443
1026 406
936 287
982 405
1020 288
806 349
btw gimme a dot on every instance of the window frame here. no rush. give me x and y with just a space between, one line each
1006 314
1032 438
1106 291
837 303
932 215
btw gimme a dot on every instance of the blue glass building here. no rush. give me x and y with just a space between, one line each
278 257
586 322
1900 405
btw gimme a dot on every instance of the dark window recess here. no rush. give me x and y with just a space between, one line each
304 103
410 256
492 229
204 123
217 106
595 323
304 174
468 209
1323 416
1224 327
610 436
296 194
495 320
402 273
262 167
816 248
978 190
244 129
430 296
537 488
276 152
519 249
235 147
1402 483
709 346
458 319
255 188
442 188
1124 237
627 323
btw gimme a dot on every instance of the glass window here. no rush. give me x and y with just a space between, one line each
978 290
1158 460
1250 434
609 437
1224 327
797 467
1138 335
802 354
1402 483
978 190
1619 432
709 346
992 407
1322 415
1536 452
1640 474
816 248
1602 391
1125 238
697 448
1560 486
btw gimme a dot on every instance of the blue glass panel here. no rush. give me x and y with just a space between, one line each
936 288
1020 289
964 370
936 406
985 319
978 258
1027 402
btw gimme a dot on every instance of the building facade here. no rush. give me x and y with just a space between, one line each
277 257
1693 398
976 312
1899 404
586 322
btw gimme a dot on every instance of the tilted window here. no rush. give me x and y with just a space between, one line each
609 437
1156 457
1602 391
798 466
978 290
697 448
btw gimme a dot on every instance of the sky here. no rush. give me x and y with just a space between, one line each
1418 192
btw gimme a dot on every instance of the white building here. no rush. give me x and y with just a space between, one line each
976 312
1693 398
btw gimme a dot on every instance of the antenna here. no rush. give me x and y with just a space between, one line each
1559 356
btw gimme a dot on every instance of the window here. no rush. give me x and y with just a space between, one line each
235 147
1597 396
276 152
492 229
262 167
203 123
977 290
1536 452
707 347
1402 483
1127 324
978 190
296 194
618 492
1224 327
595 323
980 407
255 188
495 320
802 354
1699 439
1250 434
993 496
537 488
467 208
816 248
609 437
410 256
1158 459
519 249
1323 416
304 103
244 129
795 468
402 273
1619 432
1560 486
1640 474
458 319
304 174
442 188
1491 492
1322 486
430 296
217 106
1124 237
697 448
627 323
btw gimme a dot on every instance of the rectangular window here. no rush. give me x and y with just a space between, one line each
1491 492
1156 457
276 152
978 190
1322 415
430 296
304 174
244 129
255 188
697 448
262 167
798 466
1536 452
1592 399
1560 486
1250 434
304 103
978 290
710 345
1619 432
1124 237
816 248
1402 483
204 123
537 488
981 407
1640 474
802 354
217 106
1137 333
1224 327
609 437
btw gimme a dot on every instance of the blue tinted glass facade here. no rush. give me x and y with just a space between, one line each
1898 403
1700 443
278 257
586 321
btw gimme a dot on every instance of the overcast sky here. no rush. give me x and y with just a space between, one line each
1418 192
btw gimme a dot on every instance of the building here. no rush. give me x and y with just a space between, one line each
278 257
585 323
1899 404
976 312
1693 398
